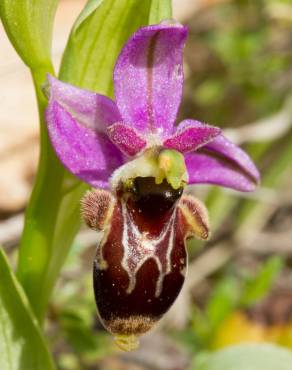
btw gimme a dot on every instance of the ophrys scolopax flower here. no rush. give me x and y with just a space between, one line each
139 162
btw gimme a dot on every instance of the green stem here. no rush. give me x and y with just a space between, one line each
40 217
54 202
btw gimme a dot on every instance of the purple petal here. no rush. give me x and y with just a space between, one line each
126 139
224 147
148 78
87 154
88 108
191 135
222 163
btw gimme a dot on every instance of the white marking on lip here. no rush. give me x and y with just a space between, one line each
138 248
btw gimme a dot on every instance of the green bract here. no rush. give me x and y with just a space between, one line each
29 25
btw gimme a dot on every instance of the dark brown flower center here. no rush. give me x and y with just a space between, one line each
151 199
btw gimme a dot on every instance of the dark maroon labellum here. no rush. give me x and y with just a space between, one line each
141 260
139 269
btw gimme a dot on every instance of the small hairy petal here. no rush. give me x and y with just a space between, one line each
97 208
191 135
87 154
90 109
126 139
148 78
196 217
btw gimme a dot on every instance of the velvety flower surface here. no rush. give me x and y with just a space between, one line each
94 135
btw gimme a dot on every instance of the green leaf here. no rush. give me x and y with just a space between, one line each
53 216
83 338
159 10
247 357
89 8
22 346
258 286
223 300
29 25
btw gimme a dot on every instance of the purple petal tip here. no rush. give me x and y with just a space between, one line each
191 135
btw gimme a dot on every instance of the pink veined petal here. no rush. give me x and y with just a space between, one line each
87 154
92 110
224 147
126 139
148 78
191 135
203 169
222 163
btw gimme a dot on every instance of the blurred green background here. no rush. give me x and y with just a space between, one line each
238 76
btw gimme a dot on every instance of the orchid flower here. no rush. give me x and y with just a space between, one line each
139 161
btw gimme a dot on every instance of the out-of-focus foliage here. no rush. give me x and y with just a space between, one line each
258 286
239 328
244 56
247 357
22 345
211 324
